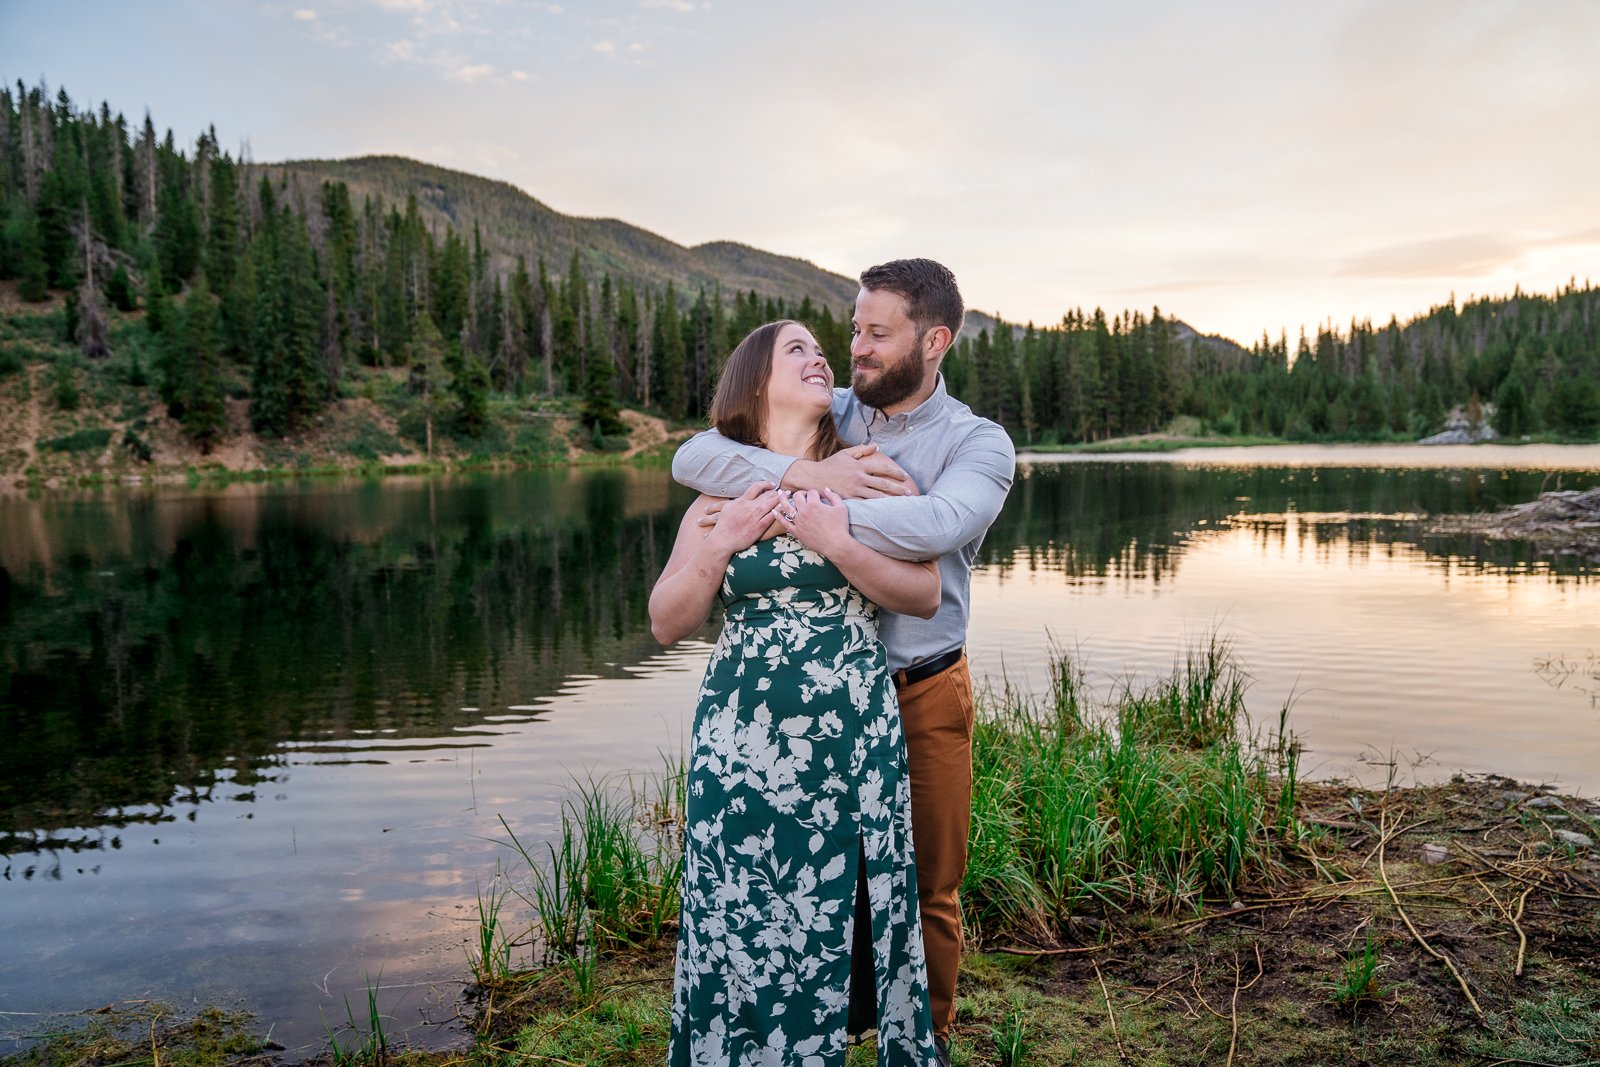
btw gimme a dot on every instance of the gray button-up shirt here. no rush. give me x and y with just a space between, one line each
962 463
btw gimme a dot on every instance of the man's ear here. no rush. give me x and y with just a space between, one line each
936 342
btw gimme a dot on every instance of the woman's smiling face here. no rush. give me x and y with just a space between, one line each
800 376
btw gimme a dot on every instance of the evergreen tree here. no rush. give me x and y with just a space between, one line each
425 356
119 290
27 255
669 356
1574 406
469 389
198 393
599 412
177 236
222 230
288 381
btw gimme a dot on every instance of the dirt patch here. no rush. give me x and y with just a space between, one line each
1344 958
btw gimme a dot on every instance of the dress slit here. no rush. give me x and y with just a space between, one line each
863 1020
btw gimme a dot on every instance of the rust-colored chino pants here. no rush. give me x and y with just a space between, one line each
936 715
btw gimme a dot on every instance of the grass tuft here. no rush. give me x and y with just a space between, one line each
1157 802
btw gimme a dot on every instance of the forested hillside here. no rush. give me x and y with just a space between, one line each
265 299
515 224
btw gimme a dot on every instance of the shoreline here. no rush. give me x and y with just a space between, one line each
1427 924
1548 456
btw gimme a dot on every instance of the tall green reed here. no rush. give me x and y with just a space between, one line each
1157 800
370 1047
611 874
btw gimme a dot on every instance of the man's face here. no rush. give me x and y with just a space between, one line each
886 364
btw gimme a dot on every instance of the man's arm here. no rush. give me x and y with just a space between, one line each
717 466
959 506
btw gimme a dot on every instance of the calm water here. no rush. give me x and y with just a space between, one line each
258 741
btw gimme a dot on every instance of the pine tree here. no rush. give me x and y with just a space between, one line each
177 236
469 389
198 393
289 383
119 290
27 254
222 230
425 356
599 412
669 357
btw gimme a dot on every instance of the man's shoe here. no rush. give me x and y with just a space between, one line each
942 1045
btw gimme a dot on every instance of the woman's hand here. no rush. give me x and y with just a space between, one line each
741 521
820 521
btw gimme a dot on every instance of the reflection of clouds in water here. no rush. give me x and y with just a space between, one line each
1380 645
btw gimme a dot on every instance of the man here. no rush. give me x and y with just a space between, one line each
902 422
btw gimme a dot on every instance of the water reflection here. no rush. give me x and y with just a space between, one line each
267 733
168 647
1131 519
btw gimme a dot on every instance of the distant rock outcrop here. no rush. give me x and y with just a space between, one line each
1465 425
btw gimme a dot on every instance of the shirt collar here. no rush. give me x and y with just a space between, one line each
917 415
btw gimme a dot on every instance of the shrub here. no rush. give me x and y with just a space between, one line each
64 386
90 440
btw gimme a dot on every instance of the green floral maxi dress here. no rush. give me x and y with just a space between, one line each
797 776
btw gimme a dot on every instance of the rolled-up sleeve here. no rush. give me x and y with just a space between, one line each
956 509
712 464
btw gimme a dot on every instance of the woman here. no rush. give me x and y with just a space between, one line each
797 782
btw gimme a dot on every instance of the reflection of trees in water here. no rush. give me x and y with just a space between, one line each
1132 520
154 647
154 650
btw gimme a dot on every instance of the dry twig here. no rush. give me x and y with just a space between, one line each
1429 949
1122 1053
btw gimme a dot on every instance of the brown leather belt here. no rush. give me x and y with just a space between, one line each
920 672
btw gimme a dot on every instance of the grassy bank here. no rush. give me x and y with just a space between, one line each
1150 882
66 421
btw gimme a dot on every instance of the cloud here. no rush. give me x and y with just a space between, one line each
305 14
605 48
1569 240
1471 255
474 72
683 7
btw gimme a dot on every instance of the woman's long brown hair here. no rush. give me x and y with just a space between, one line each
739 406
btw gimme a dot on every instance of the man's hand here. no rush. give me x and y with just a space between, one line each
859 473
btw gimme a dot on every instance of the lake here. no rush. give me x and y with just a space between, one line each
259 739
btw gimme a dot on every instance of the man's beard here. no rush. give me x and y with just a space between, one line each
896 382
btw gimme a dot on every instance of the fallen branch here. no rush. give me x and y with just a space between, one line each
1122 1053
1429 949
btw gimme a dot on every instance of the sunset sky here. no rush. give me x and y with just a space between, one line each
1243 165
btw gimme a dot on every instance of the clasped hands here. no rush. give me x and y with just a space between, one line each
816 519
813 516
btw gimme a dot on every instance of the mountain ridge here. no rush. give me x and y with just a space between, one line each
513 221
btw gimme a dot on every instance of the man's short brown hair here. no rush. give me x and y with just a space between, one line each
931 295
